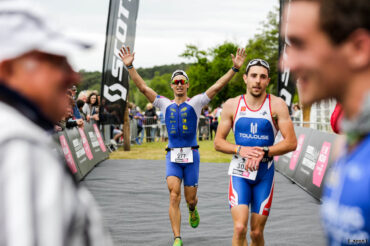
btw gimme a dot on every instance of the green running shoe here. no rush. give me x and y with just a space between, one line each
177 242
194 218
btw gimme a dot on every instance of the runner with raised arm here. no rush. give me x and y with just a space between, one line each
181 117
255 118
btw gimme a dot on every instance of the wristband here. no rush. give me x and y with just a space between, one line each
235 69
130 66
237 149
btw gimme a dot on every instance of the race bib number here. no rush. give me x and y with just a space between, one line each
182 155
237 168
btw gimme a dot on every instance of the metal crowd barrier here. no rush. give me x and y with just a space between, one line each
154 131
321 126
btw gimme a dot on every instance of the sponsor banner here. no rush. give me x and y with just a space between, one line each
308 164
121 28
315 162
65 147
81 149
286 86
98 149
288 163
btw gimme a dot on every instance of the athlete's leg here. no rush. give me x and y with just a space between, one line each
239 199
258 223
260 206
191 196
174 187
240 217
191 177
174 174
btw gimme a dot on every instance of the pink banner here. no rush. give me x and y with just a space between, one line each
67 154
85 144
100 139
296 153
321 164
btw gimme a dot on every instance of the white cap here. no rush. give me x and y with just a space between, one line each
179 72
24 28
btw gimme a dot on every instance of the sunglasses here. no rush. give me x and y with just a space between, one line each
258 62
179 81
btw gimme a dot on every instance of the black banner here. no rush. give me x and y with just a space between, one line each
307 166
121 28
80 149
98 148
63 142
286 86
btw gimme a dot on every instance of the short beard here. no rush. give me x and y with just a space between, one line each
180 95
256 95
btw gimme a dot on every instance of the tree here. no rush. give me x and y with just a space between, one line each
210 65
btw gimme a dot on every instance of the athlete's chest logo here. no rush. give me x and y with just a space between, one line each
254 128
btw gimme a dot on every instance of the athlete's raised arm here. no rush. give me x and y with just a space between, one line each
128 58
238 61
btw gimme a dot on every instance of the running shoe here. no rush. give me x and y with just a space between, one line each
177 242
194 218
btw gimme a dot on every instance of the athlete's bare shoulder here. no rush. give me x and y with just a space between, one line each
230 106
277 104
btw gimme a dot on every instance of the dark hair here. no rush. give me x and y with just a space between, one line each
89 99
340 18
80 103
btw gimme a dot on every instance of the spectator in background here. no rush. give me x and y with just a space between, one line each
117 134
68 121
91 108
41 203
76 112
162 129
205 111
80 103
216 116
296 114
150 122
139 117
82 96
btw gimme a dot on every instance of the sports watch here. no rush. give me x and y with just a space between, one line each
266 150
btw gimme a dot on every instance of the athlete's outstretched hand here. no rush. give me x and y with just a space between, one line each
126 55
239 58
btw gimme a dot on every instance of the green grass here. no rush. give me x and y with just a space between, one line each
156 151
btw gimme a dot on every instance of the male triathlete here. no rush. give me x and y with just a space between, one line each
181 117
255 118
329 51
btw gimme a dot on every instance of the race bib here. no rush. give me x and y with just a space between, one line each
182 155
237 168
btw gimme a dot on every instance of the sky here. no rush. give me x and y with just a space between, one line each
164 27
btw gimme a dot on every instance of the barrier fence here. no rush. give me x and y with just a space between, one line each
82 148
307 166
326 127
150 129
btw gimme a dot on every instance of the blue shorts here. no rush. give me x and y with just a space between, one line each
257 193
187 171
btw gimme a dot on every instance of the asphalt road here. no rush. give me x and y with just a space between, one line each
133 197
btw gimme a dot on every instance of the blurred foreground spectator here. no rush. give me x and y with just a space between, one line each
41 203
